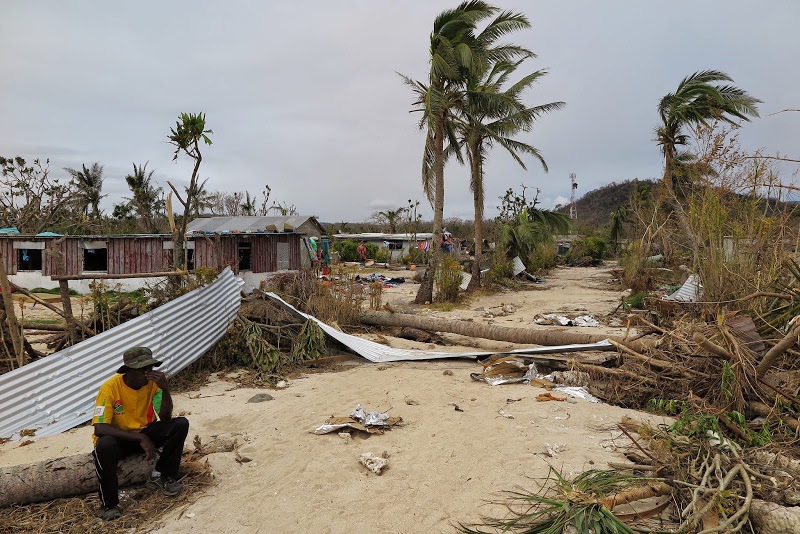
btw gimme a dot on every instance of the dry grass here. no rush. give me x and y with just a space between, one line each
143 508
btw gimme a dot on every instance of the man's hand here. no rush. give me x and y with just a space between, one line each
148 446
159 378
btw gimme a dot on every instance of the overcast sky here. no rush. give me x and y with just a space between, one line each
305 96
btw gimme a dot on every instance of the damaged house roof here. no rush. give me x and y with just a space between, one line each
251 224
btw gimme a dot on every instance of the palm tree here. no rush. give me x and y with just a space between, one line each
518 236
248 207
454 47
698 99
89 182
186 137
492 116
391 218
618 218
146 199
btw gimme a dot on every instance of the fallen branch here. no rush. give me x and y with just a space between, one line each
775 352
711 347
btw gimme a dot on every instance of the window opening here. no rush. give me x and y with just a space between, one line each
190 259
244 255
95 259
29 259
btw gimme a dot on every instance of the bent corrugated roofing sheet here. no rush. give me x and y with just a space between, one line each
245 224
57 393
690 291
375 352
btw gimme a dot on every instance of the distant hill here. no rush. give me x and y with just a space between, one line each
595 207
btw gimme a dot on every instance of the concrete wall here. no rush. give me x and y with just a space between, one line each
32 279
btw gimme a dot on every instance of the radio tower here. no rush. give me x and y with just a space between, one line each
573 211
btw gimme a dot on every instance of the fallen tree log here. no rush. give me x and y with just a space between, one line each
63 477
774 518
75 475
486 331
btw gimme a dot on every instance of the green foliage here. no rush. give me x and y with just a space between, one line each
566 506
542 255
382 255
52 291
501 270
448 279
415 256
594 247
635 301
666 406
347 249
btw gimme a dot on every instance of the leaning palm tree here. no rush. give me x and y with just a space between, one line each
698 99
89 182
492 116
454 48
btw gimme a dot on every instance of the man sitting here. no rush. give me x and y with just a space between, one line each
125 423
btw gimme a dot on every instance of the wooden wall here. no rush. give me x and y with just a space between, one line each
137 255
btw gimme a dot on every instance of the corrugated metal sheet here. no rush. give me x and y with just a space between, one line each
57 393
518 266
690 291
246 224
375 352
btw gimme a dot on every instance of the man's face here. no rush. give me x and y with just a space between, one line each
136 377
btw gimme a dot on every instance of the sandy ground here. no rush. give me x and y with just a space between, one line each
444 463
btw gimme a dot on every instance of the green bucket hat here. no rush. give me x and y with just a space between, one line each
136 358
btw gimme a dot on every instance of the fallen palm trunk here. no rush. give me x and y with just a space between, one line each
774 518
485 331
75 475
63 477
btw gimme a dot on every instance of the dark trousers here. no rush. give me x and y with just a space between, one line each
108 451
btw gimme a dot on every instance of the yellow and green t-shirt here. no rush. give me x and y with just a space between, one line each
124 407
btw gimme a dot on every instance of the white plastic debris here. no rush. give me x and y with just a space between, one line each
585 320
376 464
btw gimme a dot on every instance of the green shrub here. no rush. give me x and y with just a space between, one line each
382 255
415 256
448 279
594 247
501 270
542 256
347 249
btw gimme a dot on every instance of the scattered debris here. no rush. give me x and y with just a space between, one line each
553 450
282 384
371 423
690 291
345 436
411 402
554 319
506 415
542 397
447 372
376 464
456 406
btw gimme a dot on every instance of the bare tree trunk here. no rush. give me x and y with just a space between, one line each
677 209
17 339
425 293
477 195
63 286
485 331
